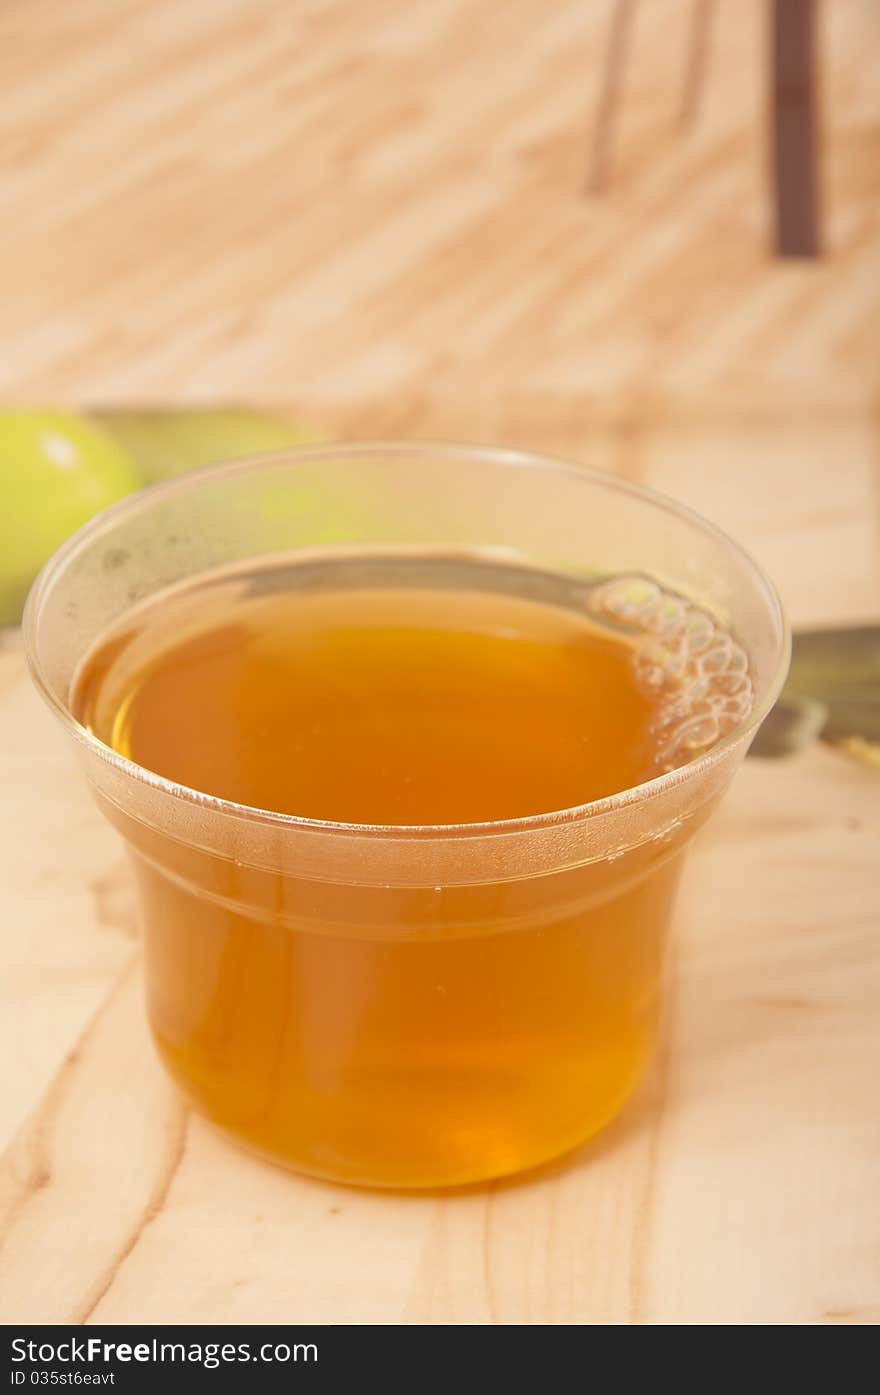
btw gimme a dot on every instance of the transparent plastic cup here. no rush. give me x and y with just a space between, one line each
403 1006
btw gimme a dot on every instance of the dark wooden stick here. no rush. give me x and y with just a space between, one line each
696 61
609 95
794 120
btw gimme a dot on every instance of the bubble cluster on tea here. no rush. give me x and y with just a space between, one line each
408 1035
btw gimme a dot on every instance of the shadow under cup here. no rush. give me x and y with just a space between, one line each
413 1006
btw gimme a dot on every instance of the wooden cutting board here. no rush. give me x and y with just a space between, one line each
740 1186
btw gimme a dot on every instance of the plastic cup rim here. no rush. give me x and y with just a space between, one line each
104 522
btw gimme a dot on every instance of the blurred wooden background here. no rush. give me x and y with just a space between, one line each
382 205
377 211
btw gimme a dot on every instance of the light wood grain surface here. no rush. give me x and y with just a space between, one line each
377 212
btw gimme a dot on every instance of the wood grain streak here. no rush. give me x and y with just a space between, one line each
161 1186
27 1170
646 1199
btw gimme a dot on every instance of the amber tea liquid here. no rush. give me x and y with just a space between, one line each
408 1035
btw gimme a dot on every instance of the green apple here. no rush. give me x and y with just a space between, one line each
56 470
168 441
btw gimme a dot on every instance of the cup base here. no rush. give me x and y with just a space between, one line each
521 1152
